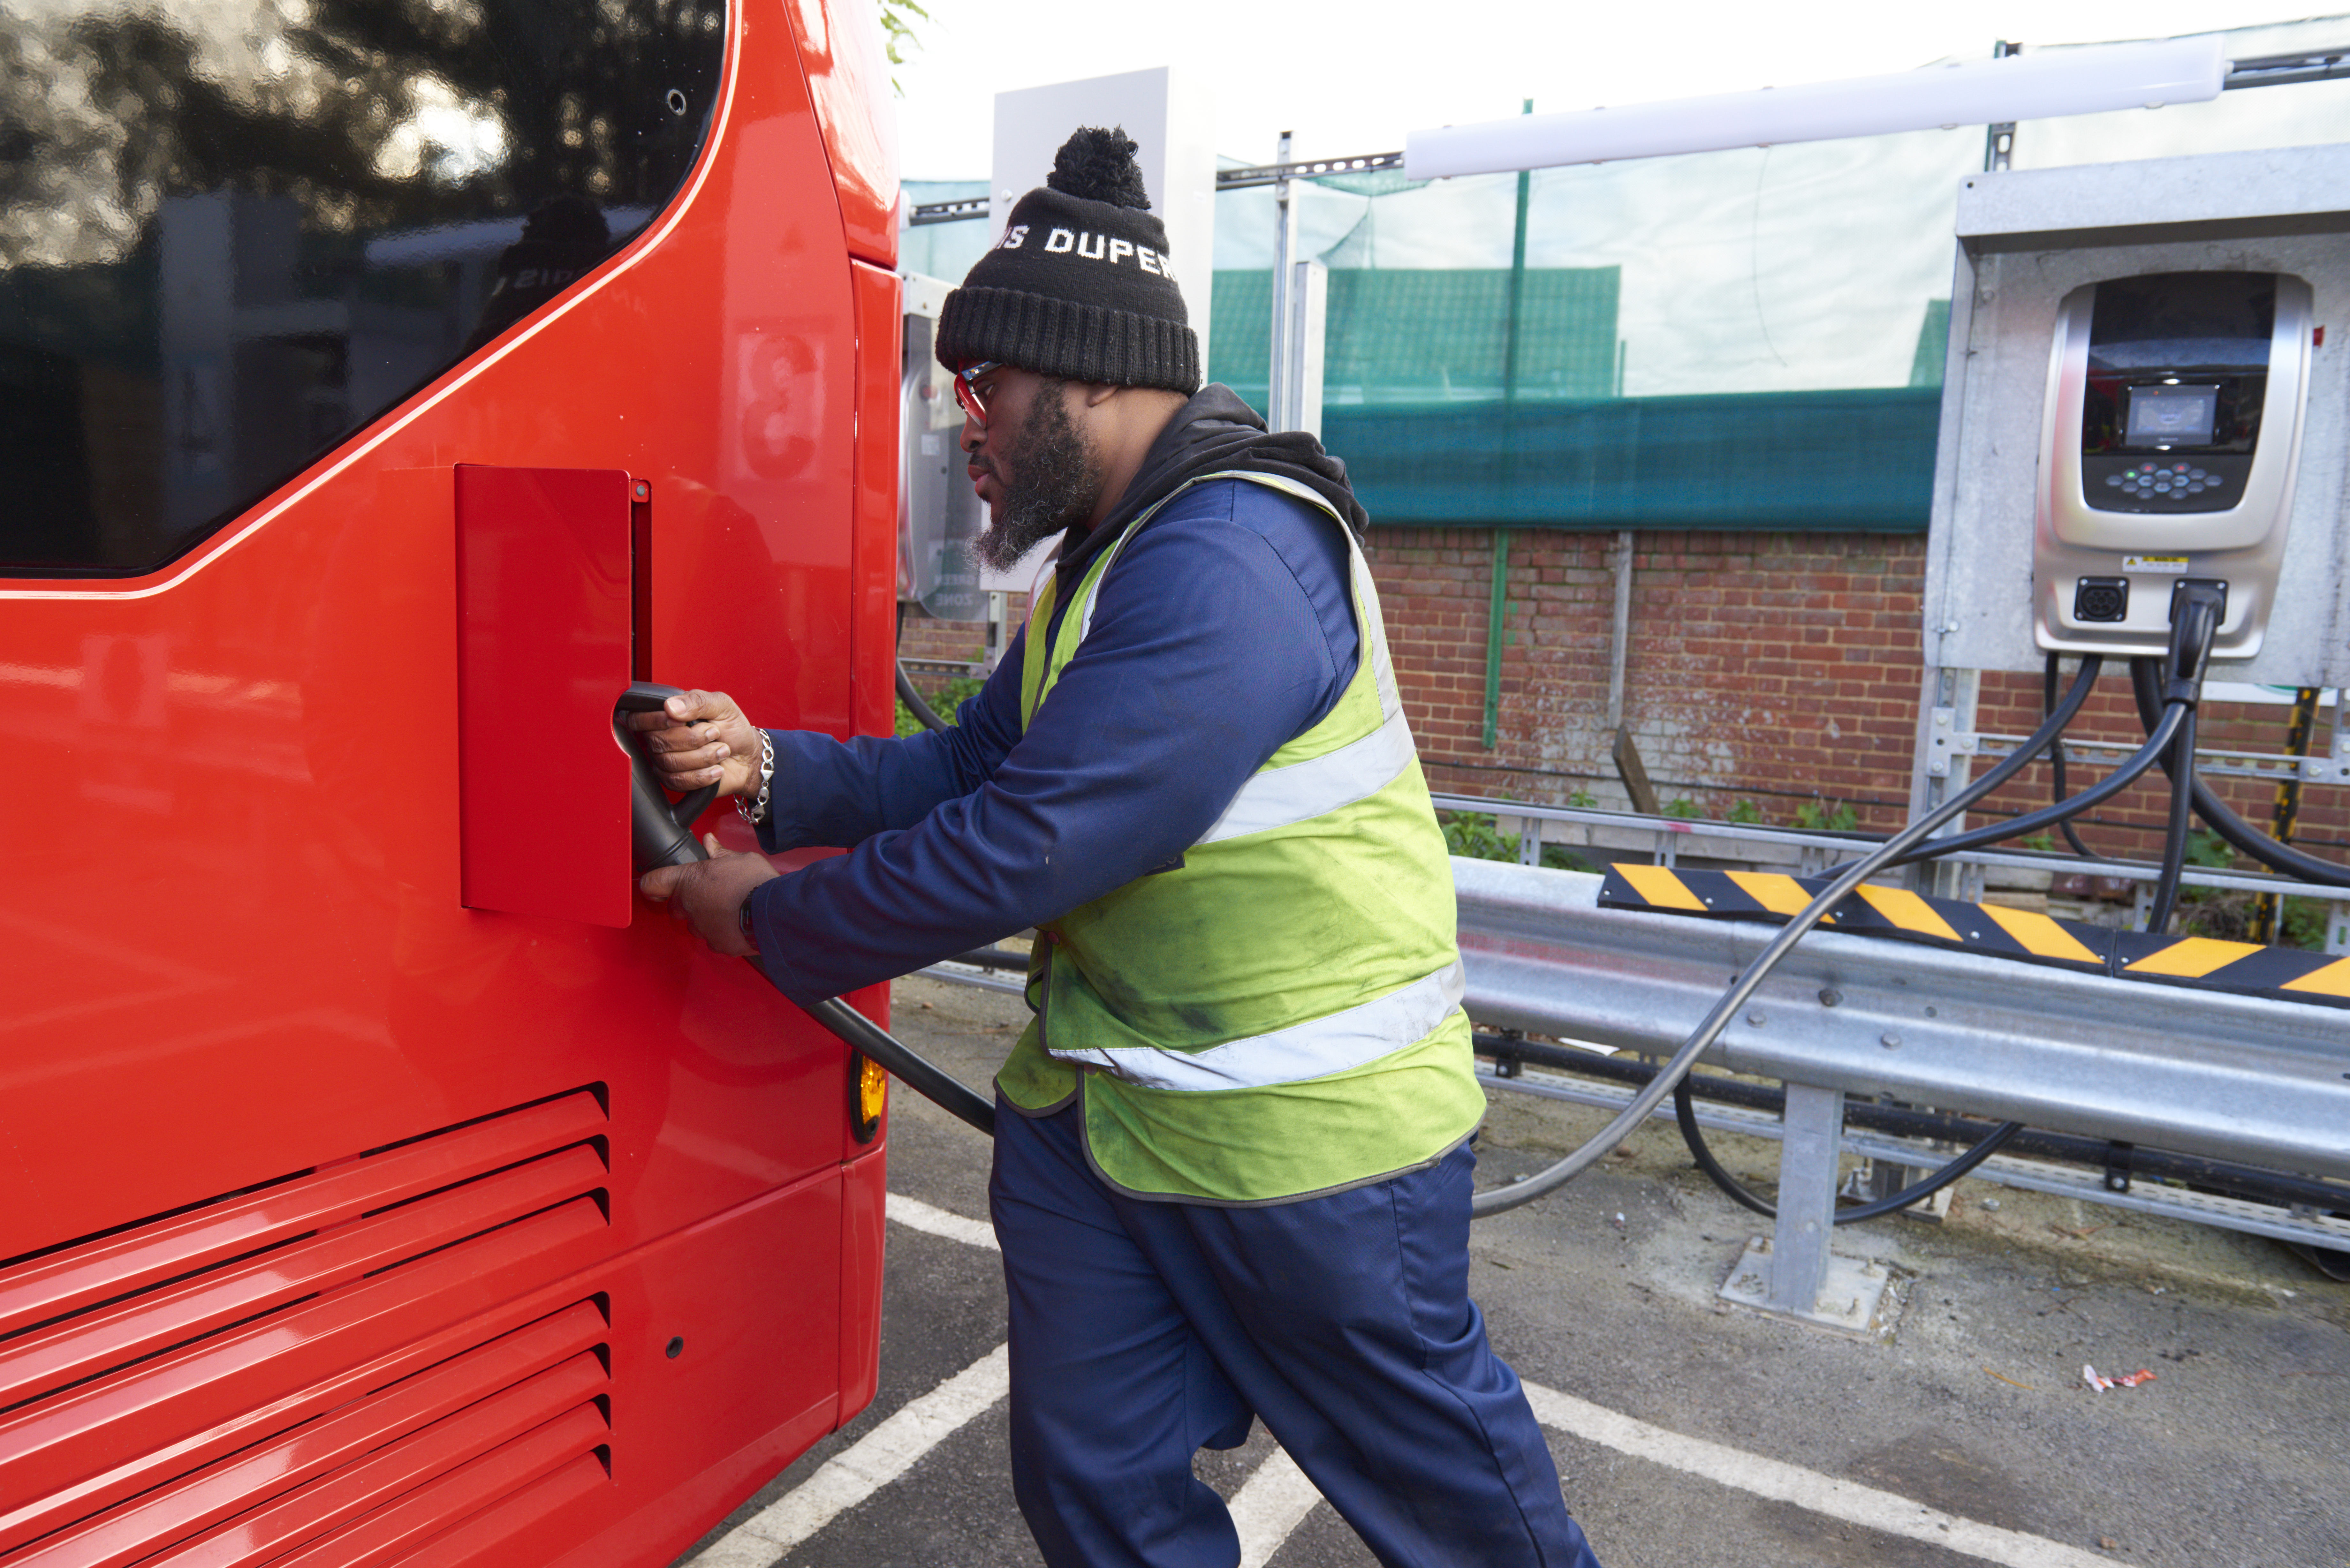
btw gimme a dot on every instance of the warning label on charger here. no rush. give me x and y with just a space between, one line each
2174 564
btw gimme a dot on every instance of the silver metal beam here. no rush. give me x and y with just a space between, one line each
2231 1077
955 212
2285 70
1285 170
976 978
2005 1170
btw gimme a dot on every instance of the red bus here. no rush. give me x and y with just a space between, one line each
386 384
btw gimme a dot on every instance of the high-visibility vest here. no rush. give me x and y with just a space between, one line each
1280 1015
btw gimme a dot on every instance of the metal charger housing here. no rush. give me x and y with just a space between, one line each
2241 545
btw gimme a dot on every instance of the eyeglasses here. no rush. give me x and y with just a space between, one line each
966 389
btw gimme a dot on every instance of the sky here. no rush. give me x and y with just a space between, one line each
1355 76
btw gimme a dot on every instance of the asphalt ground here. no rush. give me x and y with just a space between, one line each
1689 1433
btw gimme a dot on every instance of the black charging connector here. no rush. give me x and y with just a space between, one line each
2206 587
2198 605
2101 600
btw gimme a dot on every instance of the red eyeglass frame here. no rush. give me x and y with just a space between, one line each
967 395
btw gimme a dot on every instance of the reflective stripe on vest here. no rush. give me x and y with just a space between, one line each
1315 1049
1278 796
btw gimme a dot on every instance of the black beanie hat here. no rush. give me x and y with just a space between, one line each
1078 287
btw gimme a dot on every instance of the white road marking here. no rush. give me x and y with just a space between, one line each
917 1215
1274 1501
864 1467
1270 1504
1861 1505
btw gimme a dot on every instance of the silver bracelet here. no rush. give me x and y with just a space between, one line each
754 810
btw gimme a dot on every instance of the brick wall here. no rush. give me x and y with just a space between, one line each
1774 669
1777 669
961 641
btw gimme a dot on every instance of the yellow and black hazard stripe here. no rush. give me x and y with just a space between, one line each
2247 967
1869 910
1992 928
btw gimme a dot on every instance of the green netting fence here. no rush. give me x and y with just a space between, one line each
1744 339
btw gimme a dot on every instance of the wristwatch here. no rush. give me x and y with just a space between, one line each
742 919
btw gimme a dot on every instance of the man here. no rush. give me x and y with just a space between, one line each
1232 1168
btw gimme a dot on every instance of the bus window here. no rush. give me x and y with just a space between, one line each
232 234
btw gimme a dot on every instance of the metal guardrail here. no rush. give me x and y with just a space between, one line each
2243 1078
2301 1225
2249 1080
2246 1079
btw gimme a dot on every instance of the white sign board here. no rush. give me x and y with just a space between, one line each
1172 124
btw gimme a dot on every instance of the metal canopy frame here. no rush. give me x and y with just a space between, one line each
2269 70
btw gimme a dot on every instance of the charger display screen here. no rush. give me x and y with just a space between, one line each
2171 416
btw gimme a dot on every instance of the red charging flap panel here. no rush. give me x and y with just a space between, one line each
543 622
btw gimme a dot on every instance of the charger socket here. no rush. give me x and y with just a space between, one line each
2101 600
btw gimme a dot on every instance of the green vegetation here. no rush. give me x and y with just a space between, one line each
1473 836
2229 914
1680 806
1746 814
899 34
2208 850
1826 817
943 701
2303 924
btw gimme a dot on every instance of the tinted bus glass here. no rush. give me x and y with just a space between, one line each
234 232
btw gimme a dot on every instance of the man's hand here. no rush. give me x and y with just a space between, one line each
699 738
711 892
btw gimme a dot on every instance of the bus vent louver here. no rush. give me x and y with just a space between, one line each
338 1367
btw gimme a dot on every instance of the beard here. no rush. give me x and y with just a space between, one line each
1055 479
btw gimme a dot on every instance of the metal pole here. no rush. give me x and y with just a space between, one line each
1806 1204
1497 612
1517 284
1278 393
1301 380
1999 139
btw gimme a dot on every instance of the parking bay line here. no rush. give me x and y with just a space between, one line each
1271 1502
1865 1506
1278 1496
865 1467
917 1215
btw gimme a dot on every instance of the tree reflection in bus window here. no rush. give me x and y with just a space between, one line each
234 232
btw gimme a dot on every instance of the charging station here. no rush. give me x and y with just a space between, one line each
2139 398
2170 439
2142 457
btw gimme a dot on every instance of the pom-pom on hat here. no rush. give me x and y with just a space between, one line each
1080 285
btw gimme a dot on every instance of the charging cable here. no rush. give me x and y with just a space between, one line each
662 835
2146 681
2194 627
1494 1200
